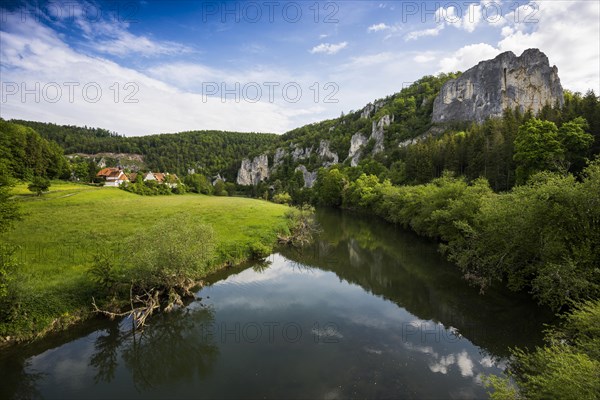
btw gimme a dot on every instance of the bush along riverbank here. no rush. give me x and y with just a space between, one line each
115 247
541 236
566 367
164 263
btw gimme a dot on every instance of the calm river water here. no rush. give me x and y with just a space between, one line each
368 311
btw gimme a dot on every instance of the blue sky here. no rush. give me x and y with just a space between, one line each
142 67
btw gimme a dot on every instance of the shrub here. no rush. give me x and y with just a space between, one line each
39 185
260 250
172 253
104 272
282 198
568 367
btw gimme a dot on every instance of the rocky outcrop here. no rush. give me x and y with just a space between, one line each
327 156
371 108
377 132
358 140
356 144
298 153
486 90
309 177
409 142
217 178
253 172
278 157
431 132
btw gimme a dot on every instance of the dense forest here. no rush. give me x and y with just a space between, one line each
206 152
25 154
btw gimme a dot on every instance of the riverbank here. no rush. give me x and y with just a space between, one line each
62 231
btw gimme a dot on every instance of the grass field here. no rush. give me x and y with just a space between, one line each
62 230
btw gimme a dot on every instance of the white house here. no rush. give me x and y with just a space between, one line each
113 177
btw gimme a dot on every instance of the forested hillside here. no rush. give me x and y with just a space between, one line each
412 149
208 152
25 154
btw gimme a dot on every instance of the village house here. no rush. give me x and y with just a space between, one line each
113 177
166 178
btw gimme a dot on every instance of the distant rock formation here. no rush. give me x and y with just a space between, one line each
358 140
327 156
356 144
253 172
298 153
371 109
217 178
309 177
278 157
486 90
377 132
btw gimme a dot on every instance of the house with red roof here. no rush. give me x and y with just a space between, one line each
113 177
159 177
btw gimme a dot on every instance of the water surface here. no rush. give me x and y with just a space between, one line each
368 311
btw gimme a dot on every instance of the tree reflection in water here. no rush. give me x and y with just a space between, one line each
174 347
21 383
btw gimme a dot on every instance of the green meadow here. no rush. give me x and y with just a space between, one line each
64 229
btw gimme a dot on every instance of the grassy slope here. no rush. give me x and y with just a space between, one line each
62 230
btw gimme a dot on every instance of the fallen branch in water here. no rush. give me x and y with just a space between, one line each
303 229
149 300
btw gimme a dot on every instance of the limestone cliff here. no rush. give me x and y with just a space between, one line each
299 153
507 81
253 172
356 144
327 156
378 130
358 140
278 157
309 177
371 108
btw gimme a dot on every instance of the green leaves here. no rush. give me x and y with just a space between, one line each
329 187
171 253
567 367
39 185
541 146
537 148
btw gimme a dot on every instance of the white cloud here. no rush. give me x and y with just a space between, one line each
465 16
465 364
443 364
425 32
126 43
378 27
568 32
487 361
468 56
328 48
425 57
111 36
160 107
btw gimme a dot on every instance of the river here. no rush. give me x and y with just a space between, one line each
368 311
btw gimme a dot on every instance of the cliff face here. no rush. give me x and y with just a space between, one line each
309 177
253 172
486 90
358 140
527 82
327 156
356 144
